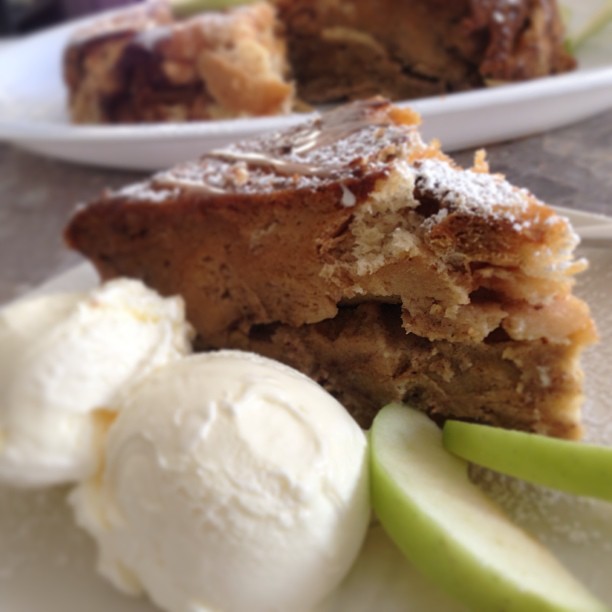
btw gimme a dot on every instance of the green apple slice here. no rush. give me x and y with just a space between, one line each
452 531
574 467
597 22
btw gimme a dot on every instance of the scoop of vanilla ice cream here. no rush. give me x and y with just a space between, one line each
230 483
63 359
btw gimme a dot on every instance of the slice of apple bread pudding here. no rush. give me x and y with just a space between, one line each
353 251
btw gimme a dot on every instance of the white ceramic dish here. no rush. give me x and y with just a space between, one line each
46 563
33 115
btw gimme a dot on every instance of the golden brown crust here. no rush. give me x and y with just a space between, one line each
142 65
280 242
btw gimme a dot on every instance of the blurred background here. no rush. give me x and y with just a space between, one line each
23 16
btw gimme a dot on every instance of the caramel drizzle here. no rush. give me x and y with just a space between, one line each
324 132
341 123
331 128
279 165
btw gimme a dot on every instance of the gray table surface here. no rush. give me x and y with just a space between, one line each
570 167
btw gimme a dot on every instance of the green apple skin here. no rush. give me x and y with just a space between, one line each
566 465
453 532
188 8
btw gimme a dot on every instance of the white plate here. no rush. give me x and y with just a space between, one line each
47 564
33 115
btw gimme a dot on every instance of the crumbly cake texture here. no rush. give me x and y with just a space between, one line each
142 65
351 250
347 49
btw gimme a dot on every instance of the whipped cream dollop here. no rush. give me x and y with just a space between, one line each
230 482
64 360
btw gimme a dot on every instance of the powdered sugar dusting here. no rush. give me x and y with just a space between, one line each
472 192
148 192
